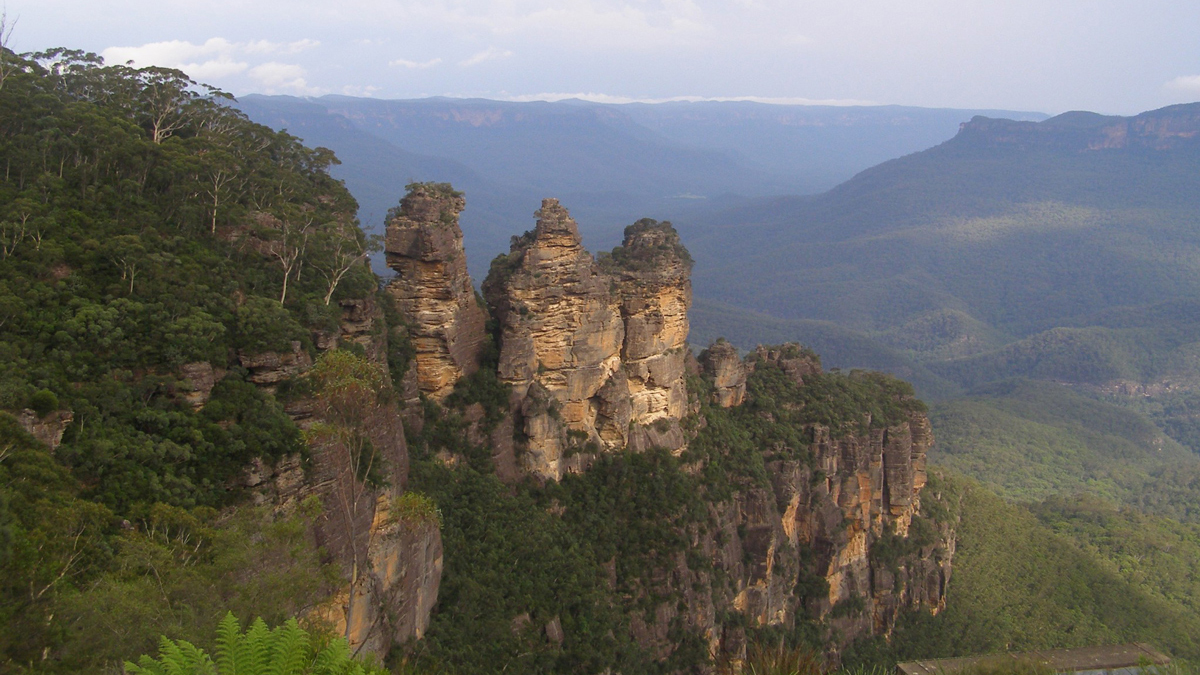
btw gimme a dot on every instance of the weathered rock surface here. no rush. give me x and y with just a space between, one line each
432 288
816 522
560 342
653 272
392 566
199 378
268 369
48 429
722 362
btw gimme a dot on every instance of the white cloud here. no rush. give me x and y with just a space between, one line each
405 63
215 58
268 47
1185 83
277 77
489 54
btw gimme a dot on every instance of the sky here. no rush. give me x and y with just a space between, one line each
1110 56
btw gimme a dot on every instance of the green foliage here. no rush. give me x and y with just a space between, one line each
663 249
1020 586
43 402
283 650
416 508
778 418
263 325
443 191
400 349
1028 440
761 660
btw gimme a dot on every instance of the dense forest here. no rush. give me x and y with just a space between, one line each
147 225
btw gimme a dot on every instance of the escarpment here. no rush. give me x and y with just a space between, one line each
424 246
353 479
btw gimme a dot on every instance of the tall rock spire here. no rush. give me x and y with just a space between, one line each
560 343
424 246
653 274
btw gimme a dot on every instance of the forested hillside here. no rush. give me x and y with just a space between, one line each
147 226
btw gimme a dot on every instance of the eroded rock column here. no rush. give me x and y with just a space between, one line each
560 343
654 275
432 287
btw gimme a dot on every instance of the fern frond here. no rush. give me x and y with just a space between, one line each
254 652
291 650
229 634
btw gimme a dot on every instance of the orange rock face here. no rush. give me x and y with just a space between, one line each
432 288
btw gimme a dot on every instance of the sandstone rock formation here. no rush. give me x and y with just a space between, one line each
594 350
813 527
48 429
395 563
722 362
560 342
432 288
653 272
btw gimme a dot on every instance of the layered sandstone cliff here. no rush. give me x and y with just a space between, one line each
806 543
594 350
653 273
560 343
424 246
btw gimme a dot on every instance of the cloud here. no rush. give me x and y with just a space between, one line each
489 54
268 47
276 77
405 63
1185 83
215 58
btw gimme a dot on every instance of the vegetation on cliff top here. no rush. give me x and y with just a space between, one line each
145 225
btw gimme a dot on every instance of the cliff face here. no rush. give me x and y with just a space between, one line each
653 273
432 288
560 342
391 566
826 529
1170 128
807 544
594 351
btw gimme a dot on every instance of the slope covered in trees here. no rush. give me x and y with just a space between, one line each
145 225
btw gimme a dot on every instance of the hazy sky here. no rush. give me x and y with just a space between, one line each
1047 55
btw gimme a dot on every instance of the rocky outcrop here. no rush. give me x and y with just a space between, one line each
49 428
391 565
653 272
560 343
424 246
724 365
395 560
806 543
594 350
268 369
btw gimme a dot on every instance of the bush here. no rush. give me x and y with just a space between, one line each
43 402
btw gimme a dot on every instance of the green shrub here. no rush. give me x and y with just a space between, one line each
43 402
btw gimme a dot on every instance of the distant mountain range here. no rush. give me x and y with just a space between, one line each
1007 231
610 164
